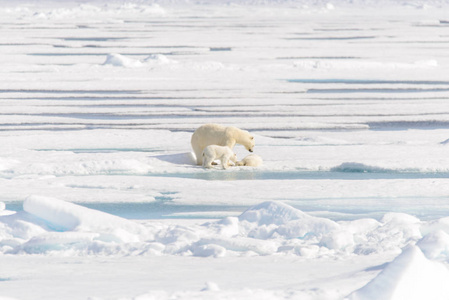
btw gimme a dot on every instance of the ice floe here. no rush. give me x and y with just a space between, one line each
53 225
409 276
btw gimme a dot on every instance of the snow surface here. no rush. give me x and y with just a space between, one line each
409 276
100 197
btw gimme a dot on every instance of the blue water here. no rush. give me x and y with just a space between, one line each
423 208
162 210
421 86
165 208
153 210
355 174
368 81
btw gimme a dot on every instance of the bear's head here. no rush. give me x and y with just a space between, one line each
242 137
240 163
250 146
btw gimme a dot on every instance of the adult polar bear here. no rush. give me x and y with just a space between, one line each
214 134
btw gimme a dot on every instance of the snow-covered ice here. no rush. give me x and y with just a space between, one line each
100 197
409 276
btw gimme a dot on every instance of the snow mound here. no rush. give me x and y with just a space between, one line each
436 225
187 158
271 212
154 60
409 276
64 216
269 228
272 218
3 211
56 241
211 286
435 245
435 241
118 60
159 59
354 167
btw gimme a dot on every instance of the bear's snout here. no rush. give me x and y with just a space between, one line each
250 150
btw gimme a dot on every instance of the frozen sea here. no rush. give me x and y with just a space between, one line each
100 197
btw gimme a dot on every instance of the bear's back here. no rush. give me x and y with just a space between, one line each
210 134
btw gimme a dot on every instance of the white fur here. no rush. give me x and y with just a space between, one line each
252 160
214 134
223 153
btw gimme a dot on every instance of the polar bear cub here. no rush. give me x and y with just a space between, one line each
223 153
252 160
214 134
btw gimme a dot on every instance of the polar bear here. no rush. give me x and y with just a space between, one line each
251 160
223 153
214 134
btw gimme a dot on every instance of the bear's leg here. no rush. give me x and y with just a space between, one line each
198 153
207 162
225 162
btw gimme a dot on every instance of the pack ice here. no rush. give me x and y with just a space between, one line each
347 101
54 227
